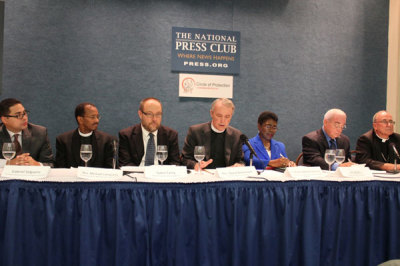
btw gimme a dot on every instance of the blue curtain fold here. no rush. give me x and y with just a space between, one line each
222 223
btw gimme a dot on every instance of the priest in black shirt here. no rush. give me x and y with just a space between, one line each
68 144
378 147
222 143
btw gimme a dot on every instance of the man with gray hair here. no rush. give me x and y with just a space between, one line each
222 142
328 137
378 148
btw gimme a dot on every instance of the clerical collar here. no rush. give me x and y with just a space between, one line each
85 135
216 130
382 139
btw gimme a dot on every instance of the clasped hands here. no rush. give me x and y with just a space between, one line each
24 159
281 163
204 164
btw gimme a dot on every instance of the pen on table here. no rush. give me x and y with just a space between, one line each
207 171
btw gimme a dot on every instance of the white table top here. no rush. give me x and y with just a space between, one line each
70 175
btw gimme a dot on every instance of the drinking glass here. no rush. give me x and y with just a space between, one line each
8 151
199 154
86 153
330 156
340 156
162 153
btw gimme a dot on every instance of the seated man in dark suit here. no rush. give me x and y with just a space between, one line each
31 141
68 144
222 143
328 137
375 147
138 143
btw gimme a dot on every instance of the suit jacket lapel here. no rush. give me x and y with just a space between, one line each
161 137
95 152
26 140
4 136
260 149
137 143
322 138
228 145
76 147
207 141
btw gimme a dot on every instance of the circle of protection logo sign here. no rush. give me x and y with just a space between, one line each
188 85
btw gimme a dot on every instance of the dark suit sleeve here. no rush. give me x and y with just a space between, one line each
61 151
46 154
188 150
173 149
239 157
312 153
109 152
364 153
124 157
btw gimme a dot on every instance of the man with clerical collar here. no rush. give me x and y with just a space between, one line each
68 144
138 143
222 143
329 136
375 147
31 141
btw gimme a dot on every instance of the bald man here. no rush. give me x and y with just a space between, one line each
329 136
374 148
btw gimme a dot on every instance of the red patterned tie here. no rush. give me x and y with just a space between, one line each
17 145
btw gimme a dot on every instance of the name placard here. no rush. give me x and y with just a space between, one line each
99 173
303 172
236 172
354 171
25 172
165 172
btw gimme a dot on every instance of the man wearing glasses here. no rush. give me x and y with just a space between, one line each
31 141
68 144
328 137
375 147
138 143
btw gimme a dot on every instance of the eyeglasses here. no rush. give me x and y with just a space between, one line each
338 125
271 127
19 115
93 117
150 115
386 122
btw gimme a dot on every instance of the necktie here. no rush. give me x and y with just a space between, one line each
332 144
150 151
17 145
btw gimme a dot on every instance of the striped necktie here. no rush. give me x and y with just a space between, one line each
18 148
332 144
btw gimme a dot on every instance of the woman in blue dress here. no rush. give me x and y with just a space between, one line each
271 152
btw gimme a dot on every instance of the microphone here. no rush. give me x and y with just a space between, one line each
394 149
115 154
245 140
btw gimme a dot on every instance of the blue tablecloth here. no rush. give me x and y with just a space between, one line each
223 223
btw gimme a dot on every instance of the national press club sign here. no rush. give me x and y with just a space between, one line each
205 51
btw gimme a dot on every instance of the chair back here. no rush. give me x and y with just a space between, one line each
299 160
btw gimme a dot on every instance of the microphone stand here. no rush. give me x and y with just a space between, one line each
114 161
251 158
